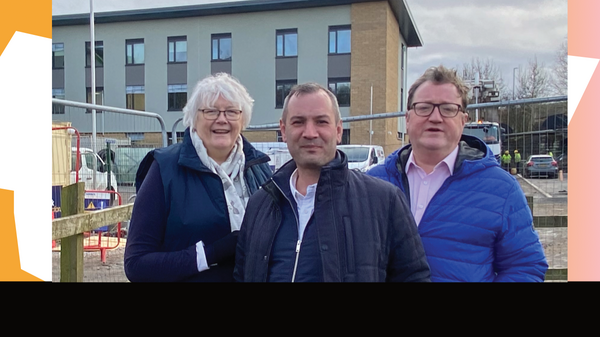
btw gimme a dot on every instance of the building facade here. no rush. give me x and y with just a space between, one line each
151 59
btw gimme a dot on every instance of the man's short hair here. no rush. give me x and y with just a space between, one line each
440 75
311 88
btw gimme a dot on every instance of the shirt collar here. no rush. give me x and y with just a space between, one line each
310 190
449 161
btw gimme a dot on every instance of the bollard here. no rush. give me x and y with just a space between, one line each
560 175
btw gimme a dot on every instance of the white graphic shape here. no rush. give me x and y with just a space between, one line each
26 146
581 70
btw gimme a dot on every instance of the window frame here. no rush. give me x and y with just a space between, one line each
336 30
88 98
88 60
130 101
282 33
58 109
173 40
336 81
283 83
133 43
172 96
54 66
218 38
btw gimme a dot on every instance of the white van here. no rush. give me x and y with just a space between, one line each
86 170
363 157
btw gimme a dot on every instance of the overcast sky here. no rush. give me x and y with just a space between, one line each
509 32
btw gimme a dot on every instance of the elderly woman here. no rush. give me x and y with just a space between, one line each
192 195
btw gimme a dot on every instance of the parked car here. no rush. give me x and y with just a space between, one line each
363 157
541 165
562 162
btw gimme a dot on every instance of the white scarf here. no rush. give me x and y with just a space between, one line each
231 172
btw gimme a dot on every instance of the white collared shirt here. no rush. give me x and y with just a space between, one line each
305 203
424 186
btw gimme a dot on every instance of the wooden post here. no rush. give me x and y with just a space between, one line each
530 203
71 251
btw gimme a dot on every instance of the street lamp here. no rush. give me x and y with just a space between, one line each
515 68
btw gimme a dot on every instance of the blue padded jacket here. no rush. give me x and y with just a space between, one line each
478 226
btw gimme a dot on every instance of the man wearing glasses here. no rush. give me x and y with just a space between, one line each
472 216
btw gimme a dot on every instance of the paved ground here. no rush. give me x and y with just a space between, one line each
554 240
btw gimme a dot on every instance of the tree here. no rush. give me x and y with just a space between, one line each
560 70
533 81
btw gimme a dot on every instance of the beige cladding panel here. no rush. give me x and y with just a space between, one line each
375 41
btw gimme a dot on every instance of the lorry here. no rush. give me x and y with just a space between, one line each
363 157
489 132
86 172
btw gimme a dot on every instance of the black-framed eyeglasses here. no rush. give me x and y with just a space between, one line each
447 110
230 114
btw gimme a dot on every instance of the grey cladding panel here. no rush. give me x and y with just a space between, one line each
286 68
134 74
338 65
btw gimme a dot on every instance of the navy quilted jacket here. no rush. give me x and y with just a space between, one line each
180 203
478 226
364 229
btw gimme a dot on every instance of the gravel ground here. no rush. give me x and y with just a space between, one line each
93 268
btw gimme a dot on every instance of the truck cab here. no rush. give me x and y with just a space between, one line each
363 157
86 170
489 132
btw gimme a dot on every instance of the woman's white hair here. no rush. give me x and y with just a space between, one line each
208 90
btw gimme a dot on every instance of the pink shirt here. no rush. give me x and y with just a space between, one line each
423 186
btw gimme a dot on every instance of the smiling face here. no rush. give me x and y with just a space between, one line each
311 129
434 134
218 135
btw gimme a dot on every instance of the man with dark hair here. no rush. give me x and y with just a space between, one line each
472 216
318 221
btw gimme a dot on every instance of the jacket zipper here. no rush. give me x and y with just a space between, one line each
299 242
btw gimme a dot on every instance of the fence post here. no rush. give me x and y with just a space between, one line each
71 251
530 203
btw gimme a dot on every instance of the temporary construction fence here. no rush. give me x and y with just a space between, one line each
108 236
69 165
532 126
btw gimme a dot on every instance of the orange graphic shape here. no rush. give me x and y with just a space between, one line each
31 17
10 263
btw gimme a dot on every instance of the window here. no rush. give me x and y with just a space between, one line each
345 137
287 43
134 51
99 97
58 56
177 49
340 87
221 47
282 89
58 109
339 40
135 97
99 54
177 96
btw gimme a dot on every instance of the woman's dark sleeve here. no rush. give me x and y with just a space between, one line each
144 262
